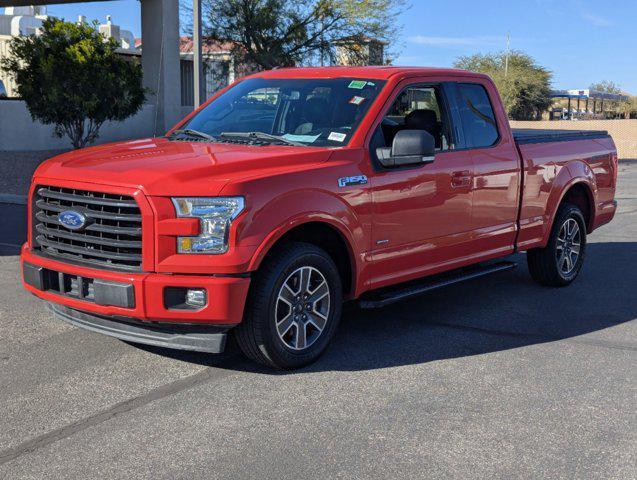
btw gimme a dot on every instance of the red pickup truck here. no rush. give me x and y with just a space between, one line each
294 190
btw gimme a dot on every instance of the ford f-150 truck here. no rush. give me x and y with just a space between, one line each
294 190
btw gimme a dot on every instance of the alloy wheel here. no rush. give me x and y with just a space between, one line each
302 308
569 242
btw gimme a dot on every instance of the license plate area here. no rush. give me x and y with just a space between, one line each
94 290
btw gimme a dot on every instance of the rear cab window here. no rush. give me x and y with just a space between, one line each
478 120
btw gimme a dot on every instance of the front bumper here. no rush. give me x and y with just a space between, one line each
137 296
198 338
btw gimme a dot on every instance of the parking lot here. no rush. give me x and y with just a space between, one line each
496 378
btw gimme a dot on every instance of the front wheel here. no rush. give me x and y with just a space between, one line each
560 262
293 308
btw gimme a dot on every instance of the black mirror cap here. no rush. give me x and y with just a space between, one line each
410 147
410 143
384 157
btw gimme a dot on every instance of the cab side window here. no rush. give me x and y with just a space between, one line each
476 113
417 108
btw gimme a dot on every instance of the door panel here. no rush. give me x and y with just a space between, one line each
495 199
421 218
422 214
496 181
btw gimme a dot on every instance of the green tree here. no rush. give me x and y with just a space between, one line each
625 109
628 109
525 86
71 76
606 86
274 33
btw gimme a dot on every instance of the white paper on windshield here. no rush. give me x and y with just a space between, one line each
301 138
337 137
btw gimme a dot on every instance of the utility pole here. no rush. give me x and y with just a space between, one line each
197 54
506 57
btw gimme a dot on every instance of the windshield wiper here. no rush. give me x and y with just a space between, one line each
193 133
266 137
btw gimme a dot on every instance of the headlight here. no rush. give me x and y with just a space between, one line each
215 215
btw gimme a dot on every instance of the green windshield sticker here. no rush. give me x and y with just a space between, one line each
357 84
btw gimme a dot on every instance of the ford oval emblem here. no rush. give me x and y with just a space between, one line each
72 220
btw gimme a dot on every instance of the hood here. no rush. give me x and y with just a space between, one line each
165 168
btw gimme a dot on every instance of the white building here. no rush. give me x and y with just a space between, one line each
125 38
22 20
219 68
18 21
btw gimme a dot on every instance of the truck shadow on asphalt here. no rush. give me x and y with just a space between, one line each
501 312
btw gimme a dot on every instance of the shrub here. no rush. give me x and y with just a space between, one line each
71 76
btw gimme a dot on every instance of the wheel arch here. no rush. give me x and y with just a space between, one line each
581 195
326 234
581 192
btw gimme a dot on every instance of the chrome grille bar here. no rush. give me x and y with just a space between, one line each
112 237
101 199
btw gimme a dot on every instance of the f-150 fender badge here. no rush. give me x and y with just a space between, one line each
349 181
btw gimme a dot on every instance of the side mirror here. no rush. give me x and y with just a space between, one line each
410 147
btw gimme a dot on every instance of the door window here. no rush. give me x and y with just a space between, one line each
417 108
478 120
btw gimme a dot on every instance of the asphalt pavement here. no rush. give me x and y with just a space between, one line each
495 378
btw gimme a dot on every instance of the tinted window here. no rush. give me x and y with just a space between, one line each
476 113
415 98
417 108
318 112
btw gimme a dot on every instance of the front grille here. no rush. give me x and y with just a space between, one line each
112 237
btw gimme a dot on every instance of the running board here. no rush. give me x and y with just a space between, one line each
395 294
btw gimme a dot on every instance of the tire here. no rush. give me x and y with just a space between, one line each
547 265
275 304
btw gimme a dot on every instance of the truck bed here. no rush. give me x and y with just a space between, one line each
532 135
552 159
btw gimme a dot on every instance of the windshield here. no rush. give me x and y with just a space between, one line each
316 112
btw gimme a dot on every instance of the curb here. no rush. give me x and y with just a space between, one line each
13 199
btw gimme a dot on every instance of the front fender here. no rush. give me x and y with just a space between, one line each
292 223
270 222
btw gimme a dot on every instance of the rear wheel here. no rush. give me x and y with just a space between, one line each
293 308
560 262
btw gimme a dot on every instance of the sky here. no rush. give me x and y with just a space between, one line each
580 41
